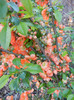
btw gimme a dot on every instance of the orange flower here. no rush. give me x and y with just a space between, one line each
44 65
24 96
12 38
1 72
41 2
37 84
23 61
56 23
67 59
49 36
9 97
61 31
45 15
1 26
49 73
57 92
59 40
55 72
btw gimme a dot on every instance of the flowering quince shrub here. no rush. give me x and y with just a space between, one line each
33 51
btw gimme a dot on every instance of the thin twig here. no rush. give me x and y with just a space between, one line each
37 41
42 49
3 50
54 27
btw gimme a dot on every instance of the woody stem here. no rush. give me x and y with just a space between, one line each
54 27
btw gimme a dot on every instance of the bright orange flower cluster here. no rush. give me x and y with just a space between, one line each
18 48
46 66
9 97
6 59
24 96
41 2
45 14
18 44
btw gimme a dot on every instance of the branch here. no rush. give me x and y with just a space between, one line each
42 49
2 50
37 41
54 27
34 50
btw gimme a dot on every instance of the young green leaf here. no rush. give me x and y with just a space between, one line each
3 8
33 68
14 84
5 36
51 90
66 92
14 6
64 53
22 75
12 70
72 84
64 76
3 80
58 15
28 6
16 61
68 29
70 97
22 28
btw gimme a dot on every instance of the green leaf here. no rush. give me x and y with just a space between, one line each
27 16
5 36
50 10
26 82
51 90
58 15
3 80
3 8
31 52
50 84
33 68
22 75
72 36
73 44
16 61
72 70
64 76
28 6
54 95
14 6
60 6
38 34
15 20
70 97
68 29
71 12
22 28
29 44
66 92
54 2
12 70
64 53
72 84
14 84
24 12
